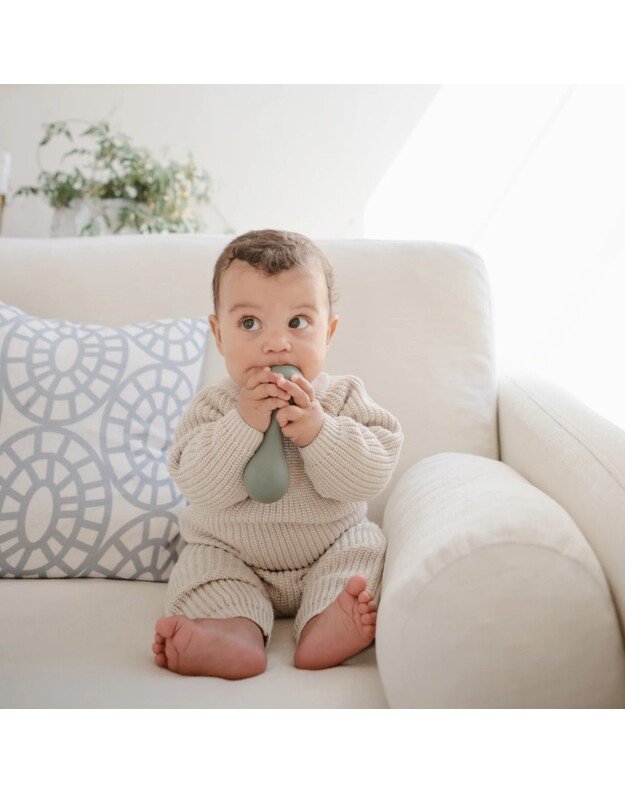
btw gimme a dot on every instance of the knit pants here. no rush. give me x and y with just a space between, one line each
208 581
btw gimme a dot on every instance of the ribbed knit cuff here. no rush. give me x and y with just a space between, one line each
315 453
243 436
210 466
225 598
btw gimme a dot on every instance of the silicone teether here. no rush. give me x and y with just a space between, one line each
266 476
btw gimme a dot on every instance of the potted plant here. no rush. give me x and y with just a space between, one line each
115 187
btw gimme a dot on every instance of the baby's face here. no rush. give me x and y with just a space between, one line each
267 320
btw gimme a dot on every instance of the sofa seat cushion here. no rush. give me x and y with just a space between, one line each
87 643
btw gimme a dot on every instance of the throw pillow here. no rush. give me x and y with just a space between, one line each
87 416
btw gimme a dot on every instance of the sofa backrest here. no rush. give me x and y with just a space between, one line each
415 319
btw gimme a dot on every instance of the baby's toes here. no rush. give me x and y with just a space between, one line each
364 597
158 647
161 660
364 608
168 625
369 619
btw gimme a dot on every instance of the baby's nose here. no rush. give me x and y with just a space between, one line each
277 345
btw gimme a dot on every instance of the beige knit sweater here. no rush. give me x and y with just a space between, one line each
349 462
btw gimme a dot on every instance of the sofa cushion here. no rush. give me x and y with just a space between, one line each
493 595
415 319
87 415
86 643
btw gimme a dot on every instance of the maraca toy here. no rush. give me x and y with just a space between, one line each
266 476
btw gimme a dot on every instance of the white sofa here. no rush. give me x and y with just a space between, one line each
504 582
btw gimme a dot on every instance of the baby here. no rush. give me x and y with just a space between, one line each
312 554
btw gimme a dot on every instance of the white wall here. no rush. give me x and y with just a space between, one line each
531 177
299 157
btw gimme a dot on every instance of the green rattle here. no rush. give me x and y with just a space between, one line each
266 476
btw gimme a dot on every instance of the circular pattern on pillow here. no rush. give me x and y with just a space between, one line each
87 417
137 427
54 504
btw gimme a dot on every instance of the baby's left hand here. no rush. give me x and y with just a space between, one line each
303 421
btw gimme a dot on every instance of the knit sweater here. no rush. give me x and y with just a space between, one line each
350 461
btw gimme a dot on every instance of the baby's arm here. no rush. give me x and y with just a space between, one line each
211 448
355 453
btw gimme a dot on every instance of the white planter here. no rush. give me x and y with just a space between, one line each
68 221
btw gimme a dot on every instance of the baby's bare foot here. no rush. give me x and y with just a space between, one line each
228 647
343 629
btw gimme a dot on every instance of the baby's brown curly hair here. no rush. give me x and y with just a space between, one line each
271 251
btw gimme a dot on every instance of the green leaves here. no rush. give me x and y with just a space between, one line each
54 129
159 197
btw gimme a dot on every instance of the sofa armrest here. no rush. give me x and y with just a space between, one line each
575 456
491 596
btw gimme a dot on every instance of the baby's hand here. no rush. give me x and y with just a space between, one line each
259 397
303 421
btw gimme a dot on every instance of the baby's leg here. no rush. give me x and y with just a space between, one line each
337 615
218 616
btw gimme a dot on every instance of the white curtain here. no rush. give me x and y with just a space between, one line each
532 178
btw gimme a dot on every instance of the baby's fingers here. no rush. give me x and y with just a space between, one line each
275 391
299 395
257 377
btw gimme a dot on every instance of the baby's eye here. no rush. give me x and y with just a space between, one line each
252 319
300 316
245 320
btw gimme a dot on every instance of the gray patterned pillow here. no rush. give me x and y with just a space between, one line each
87 416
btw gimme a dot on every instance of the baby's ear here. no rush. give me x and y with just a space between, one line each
214 323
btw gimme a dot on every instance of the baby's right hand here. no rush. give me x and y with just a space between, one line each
259 397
